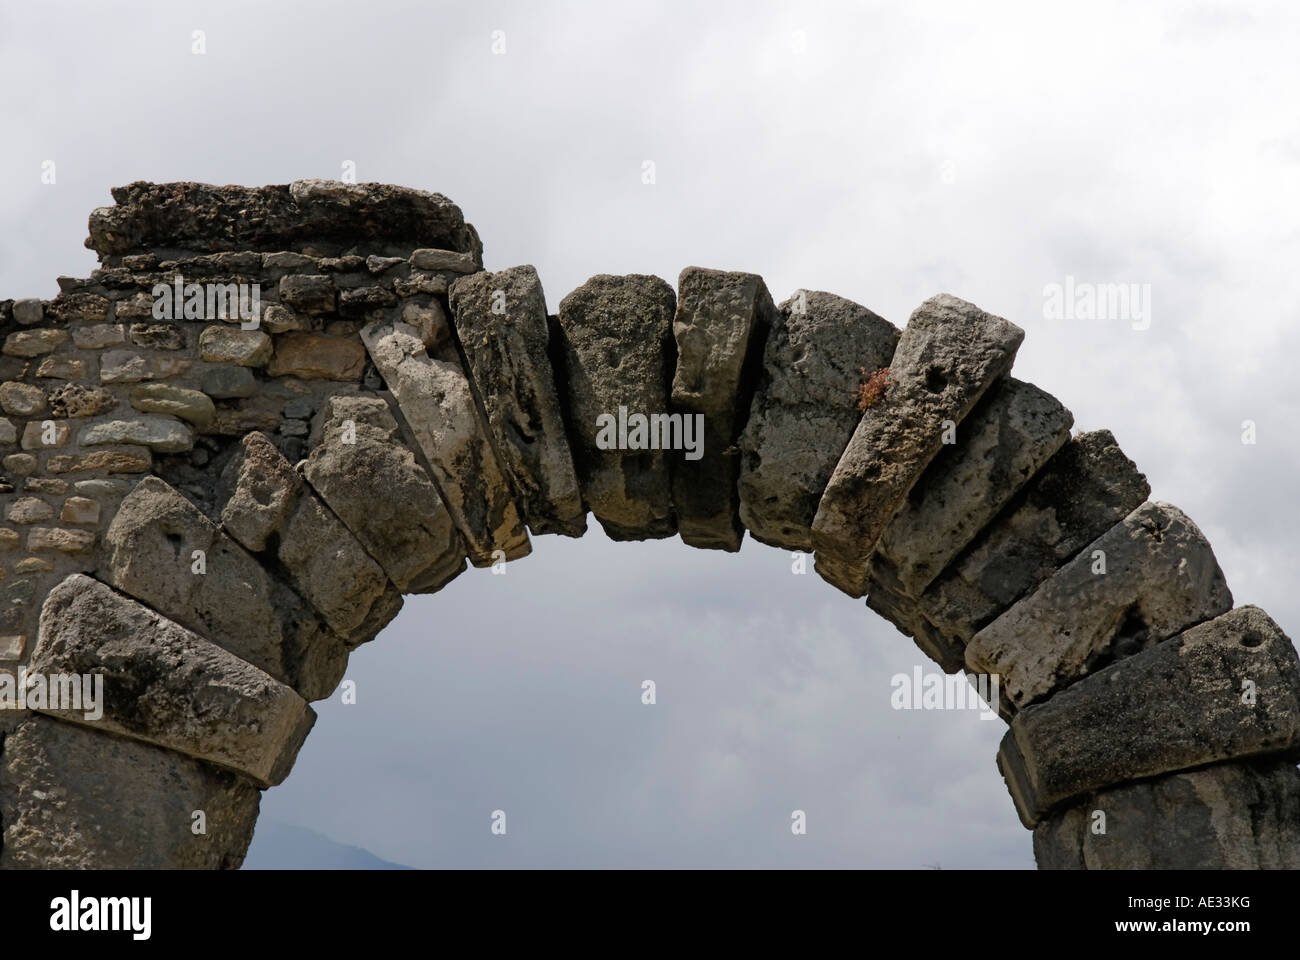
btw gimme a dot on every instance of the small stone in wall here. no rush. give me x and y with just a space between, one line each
21 399
162 434
316 357
46 485
8 432
158 336
78 308
190 405
99 335
311 294
62 368
77 400
33 343
102 487
137 460
79 510
248 348
139 307
29 510
20 463
33 565
28 312
280 319
58 540
38 436
444 260
9 538
227 382
11 648
127 366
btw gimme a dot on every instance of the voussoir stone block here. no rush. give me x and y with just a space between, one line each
1004 442
805 410
614 343
1147 578
1084 490
74 798
408 530
270 506
501 321
168 686
149 554
1227 689
438 405
720 328
1231 816
950 353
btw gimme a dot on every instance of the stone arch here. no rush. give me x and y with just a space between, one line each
205 509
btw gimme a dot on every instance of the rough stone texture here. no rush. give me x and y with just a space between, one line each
326 564
1160 578
72 798
162 434
1227 689
21 399
408 530
99 335
1006 439
614 349
79 400
950 353
439 407
199 216
314 356
191 405
1088 487
805 410
130 366
167 686
501 322
149 555
1234 816
248 348
33 343
720 328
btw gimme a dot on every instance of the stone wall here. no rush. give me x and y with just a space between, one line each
207 510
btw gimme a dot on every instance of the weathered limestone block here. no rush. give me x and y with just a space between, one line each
269 505
33 343
59 540
61 368
73 798
1233 816
199 216
129 366
950 353
167 398
161 434
99 335
126 460
438 405
22 399
614 343
1227 689
149 554
1159 577
804 411
408 530
158 336
501 320
450 260
38 436
1088 487
221 344
315 356
311 294
168 686
228 382
79 400
1004 442
720 327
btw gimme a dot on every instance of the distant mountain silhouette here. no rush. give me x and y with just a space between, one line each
280 846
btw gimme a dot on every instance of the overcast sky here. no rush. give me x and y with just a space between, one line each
884 152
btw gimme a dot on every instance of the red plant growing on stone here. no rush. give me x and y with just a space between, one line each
872 388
